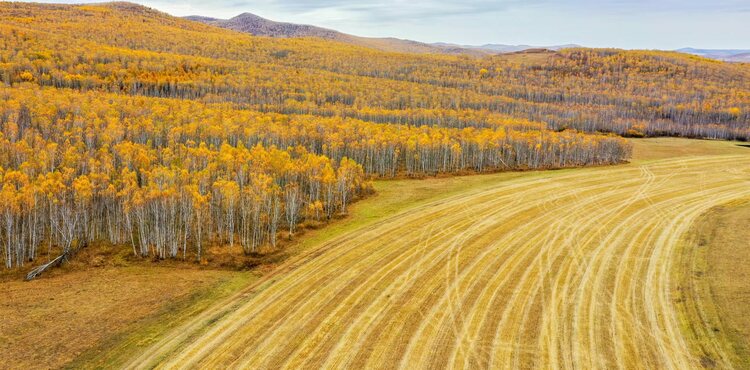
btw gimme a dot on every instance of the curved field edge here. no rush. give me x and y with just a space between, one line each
713 286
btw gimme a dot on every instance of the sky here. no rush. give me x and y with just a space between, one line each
630 24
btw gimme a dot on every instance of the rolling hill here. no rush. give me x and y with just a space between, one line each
259 26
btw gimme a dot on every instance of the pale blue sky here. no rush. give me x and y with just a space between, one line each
657 24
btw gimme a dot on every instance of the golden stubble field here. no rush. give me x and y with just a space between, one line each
557 269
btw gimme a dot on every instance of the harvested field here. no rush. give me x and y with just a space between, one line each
571 269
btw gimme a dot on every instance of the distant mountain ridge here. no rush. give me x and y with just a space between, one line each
504 48
728 55
259 26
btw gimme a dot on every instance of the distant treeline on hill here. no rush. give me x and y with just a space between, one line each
124 124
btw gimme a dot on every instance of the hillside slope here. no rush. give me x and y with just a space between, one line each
607 90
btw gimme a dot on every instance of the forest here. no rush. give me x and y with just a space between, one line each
122 124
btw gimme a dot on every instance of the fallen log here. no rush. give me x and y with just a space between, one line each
33 274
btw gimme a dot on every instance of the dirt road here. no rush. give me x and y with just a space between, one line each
561 269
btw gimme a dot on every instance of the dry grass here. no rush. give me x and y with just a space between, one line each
102 294
729 274
662 148
48 322
714 285
569 268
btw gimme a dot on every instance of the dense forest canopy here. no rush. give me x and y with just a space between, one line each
124 124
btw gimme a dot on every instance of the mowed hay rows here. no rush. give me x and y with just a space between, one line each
565 269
